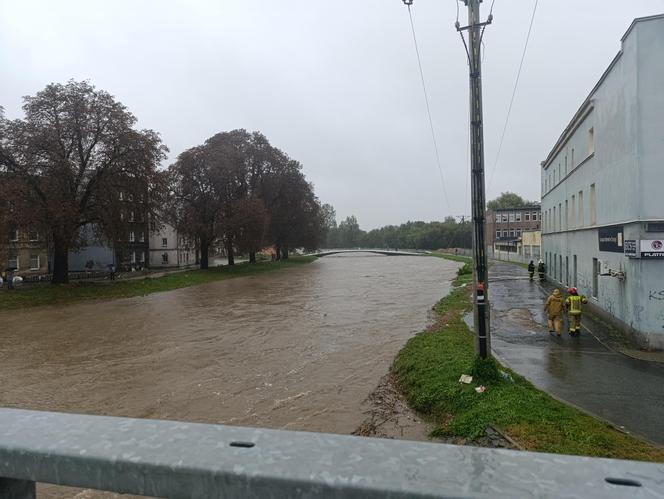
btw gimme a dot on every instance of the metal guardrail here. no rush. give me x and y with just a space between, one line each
190 460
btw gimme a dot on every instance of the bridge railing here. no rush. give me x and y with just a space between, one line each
176 459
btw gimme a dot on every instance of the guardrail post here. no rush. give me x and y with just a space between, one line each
17 489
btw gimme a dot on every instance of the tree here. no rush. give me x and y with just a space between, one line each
77 149
508 200
195 203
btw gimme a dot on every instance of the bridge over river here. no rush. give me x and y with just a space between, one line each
376 251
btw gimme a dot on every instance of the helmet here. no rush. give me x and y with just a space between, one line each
572 291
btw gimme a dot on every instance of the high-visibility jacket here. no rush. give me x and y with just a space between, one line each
574 302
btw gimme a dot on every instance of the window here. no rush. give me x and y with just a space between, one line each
153 225
132 237
13 234
566 214
142 257
527 217
572 159
121 196
591 141
505 233
12 263
573 212
560 268
121 215
133 257
511 217
130 197
518 217
593 210
141 238
566 271
164 258
497 234
518 232
559 176
554 177
581 217
512 234
164 242
34 262
554 219
534 216
33 235
574 271
595 277
131 216
560 216
504 217
565 161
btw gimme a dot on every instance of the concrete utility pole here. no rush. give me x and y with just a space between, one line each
481 300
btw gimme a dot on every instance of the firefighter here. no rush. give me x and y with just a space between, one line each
541 270
554 311
574 306
531 269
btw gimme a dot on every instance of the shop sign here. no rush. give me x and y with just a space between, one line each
611 238
631 248
652 248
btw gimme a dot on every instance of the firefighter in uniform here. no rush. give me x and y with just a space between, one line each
574 304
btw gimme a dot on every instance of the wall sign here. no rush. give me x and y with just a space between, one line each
631 248
652 248
611 238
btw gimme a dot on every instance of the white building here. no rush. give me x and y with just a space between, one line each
602 183
169 249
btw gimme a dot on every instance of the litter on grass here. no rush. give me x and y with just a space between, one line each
465 378
480 389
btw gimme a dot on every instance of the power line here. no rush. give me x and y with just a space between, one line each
516 83
426 100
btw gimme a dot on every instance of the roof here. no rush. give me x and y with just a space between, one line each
586 105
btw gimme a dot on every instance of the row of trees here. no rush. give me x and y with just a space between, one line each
77 155
413 235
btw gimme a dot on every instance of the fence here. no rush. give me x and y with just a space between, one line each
174 459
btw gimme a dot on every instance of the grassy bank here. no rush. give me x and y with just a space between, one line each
77 291
427 371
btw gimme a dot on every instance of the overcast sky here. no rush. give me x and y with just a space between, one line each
334 84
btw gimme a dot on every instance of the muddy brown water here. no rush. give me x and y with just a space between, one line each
299 349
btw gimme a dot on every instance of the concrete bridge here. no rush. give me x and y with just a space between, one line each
376 251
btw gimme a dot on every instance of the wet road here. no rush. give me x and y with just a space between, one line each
625 391
299 349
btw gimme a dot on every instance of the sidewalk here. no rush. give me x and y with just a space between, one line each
583 371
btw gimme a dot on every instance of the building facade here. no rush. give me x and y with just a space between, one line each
603 220
169 249
505 227
26 251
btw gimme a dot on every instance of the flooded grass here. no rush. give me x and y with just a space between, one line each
427 370
78 291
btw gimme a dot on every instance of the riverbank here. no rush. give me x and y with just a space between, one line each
80 291
427 371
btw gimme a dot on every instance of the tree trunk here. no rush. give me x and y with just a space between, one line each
252 257
277 251
284 252
229 251
205 246
60 262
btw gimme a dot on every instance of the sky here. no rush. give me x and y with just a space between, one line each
334 84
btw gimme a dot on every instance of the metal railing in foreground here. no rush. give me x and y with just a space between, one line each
174 459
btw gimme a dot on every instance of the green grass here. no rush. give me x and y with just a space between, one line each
77 291
427 371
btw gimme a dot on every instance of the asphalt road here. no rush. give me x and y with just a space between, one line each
580 370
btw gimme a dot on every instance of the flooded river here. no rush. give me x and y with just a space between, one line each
297 349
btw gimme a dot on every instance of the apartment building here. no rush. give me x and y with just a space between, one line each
603 221
505 227
168 248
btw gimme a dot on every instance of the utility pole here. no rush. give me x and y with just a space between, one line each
475 29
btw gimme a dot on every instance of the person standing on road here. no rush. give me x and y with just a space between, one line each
541 270
554 311
531 269
574 305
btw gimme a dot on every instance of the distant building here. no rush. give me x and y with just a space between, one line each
26 251
169 249
603 228
505 226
